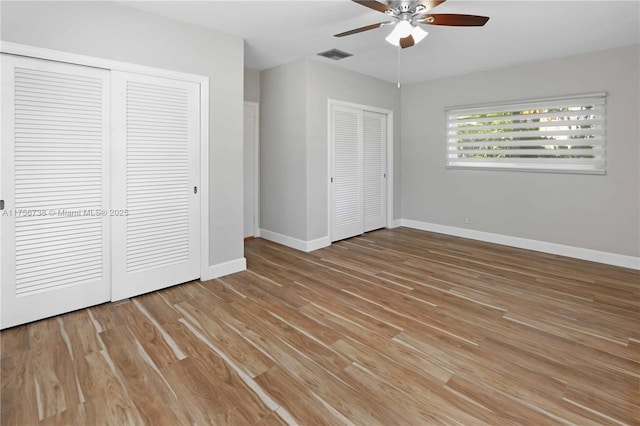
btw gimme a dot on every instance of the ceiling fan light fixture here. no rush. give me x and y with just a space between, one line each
401 30
405 29
418 34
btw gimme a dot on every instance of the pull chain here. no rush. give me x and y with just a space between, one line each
398 66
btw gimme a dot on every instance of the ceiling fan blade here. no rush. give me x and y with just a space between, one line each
407 41
430 4
454 20
375 5
361 29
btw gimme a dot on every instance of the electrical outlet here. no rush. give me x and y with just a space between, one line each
467 220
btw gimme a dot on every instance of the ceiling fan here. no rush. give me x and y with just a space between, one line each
407 15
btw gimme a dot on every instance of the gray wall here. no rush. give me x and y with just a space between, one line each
294 141
586 211
113 31
283 140
251 85
326 81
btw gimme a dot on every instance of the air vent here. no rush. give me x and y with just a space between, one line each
335 54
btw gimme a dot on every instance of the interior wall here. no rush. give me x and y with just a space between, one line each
326 81
113 31
251 85
294 141
586 211
283 150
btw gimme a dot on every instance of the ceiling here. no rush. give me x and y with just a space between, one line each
519 31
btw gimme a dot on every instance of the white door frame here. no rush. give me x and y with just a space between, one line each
388 162
256 168
55 55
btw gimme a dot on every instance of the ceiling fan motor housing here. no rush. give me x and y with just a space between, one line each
405 6
403 10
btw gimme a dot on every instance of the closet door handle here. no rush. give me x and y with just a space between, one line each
195 189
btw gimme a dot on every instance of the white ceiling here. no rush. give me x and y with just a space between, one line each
519 31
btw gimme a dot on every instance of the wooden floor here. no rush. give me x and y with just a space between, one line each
397 327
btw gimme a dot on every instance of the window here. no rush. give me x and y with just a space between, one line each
556 135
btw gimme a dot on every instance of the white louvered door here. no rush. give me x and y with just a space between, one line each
54 180
374 182
358 159
155 169
346 209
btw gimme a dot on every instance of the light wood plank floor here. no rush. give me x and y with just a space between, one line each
397 327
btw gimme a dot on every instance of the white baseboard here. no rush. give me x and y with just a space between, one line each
318 243
295 243
524 243
225 268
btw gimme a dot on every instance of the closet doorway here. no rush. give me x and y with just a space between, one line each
100 180
360 172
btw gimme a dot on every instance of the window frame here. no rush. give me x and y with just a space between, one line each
531 154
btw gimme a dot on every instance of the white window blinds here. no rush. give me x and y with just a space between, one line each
556 135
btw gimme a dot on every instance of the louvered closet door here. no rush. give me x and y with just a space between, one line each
155 169
54 251
347 209
374 181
